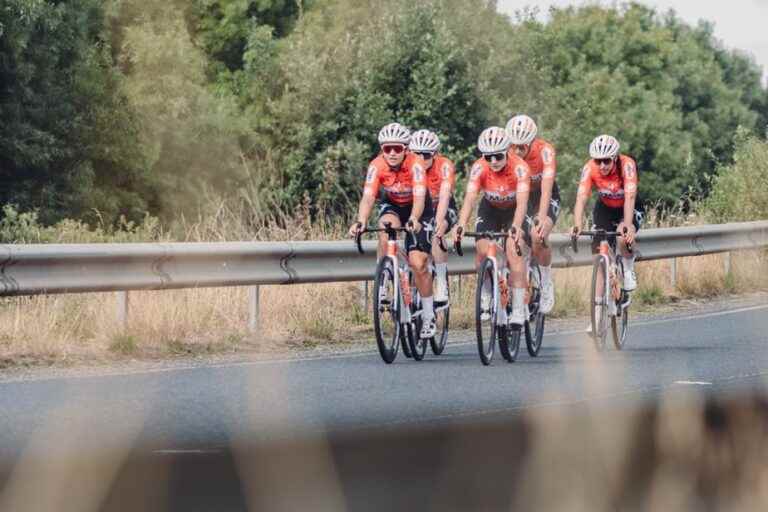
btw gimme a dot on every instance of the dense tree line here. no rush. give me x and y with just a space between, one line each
122 107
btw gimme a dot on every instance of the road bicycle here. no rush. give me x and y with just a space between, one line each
609 301
397 307
493 304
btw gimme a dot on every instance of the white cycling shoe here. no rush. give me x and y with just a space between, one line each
547 297
428 328
517 317
485 306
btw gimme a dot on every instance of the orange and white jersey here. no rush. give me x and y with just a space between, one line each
500 188
400 185
442 173
542 161
612 189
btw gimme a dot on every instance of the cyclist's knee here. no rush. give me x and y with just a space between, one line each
418 261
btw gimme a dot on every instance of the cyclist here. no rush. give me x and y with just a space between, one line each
404 202
503 179
544 199
441 181
615 176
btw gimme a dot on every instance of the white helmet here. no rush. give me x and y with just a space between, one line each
604 146
521 130
424 141
493 140
395 133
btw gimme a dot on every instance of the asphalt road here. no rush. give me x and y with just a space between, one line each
201 412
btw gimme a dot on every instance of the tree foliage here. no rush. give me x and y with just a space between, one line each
68 136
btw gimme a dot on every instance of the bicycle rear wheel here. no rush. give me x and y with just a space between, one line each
386 318
599 304
486 328
534 325
442 318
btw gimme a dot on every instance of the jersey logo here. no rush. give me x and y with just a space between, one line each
476 170
418 173
546 156
585 173
520 171
446 171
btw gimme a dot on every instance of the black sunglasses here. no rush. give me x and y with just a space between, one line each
605 161
425 154
498 157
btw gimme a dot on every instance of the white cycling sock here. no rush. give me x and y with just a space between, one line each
442 271
629 263
546 273
518 298
427 308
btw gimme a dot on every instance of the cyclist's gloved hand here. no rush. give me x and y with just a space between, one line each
457 233
413 225
629 233
575 230
355 228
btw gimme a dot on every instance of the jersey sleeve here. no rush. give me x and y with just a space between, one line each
549 159
585 183
476 177
371 187
629 173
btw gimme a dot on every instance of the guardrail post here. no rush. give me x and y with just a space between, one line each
365 296
727 263
253 309
122 310
673 272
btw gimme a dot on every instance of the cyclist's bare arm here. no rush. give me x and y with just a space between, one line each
547 183
445 197
582 196
470 197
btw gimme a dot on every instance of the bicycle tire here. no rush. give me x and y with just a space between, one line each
388 344
443 318
417 345
598 311
509 342
620 323
485 341
534 325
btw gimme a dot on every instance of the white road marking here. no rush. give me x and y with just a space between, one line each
692 383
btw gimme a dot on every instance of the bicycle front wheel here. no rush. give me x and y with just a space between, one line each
417 345
485 311
509 342
534 326
599 303
386 318
620 323
442 318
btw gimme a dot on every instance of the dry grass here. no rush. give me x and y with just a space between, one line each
77 328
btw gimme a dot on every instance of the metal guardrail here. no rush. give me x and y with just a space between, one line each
77 268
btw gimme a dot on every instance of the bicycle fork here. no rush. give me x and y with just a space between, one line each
500 295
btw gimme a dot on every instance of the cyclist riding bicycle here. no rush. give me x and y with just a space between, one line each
544 199
401 176
441 182
615 177
503 179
